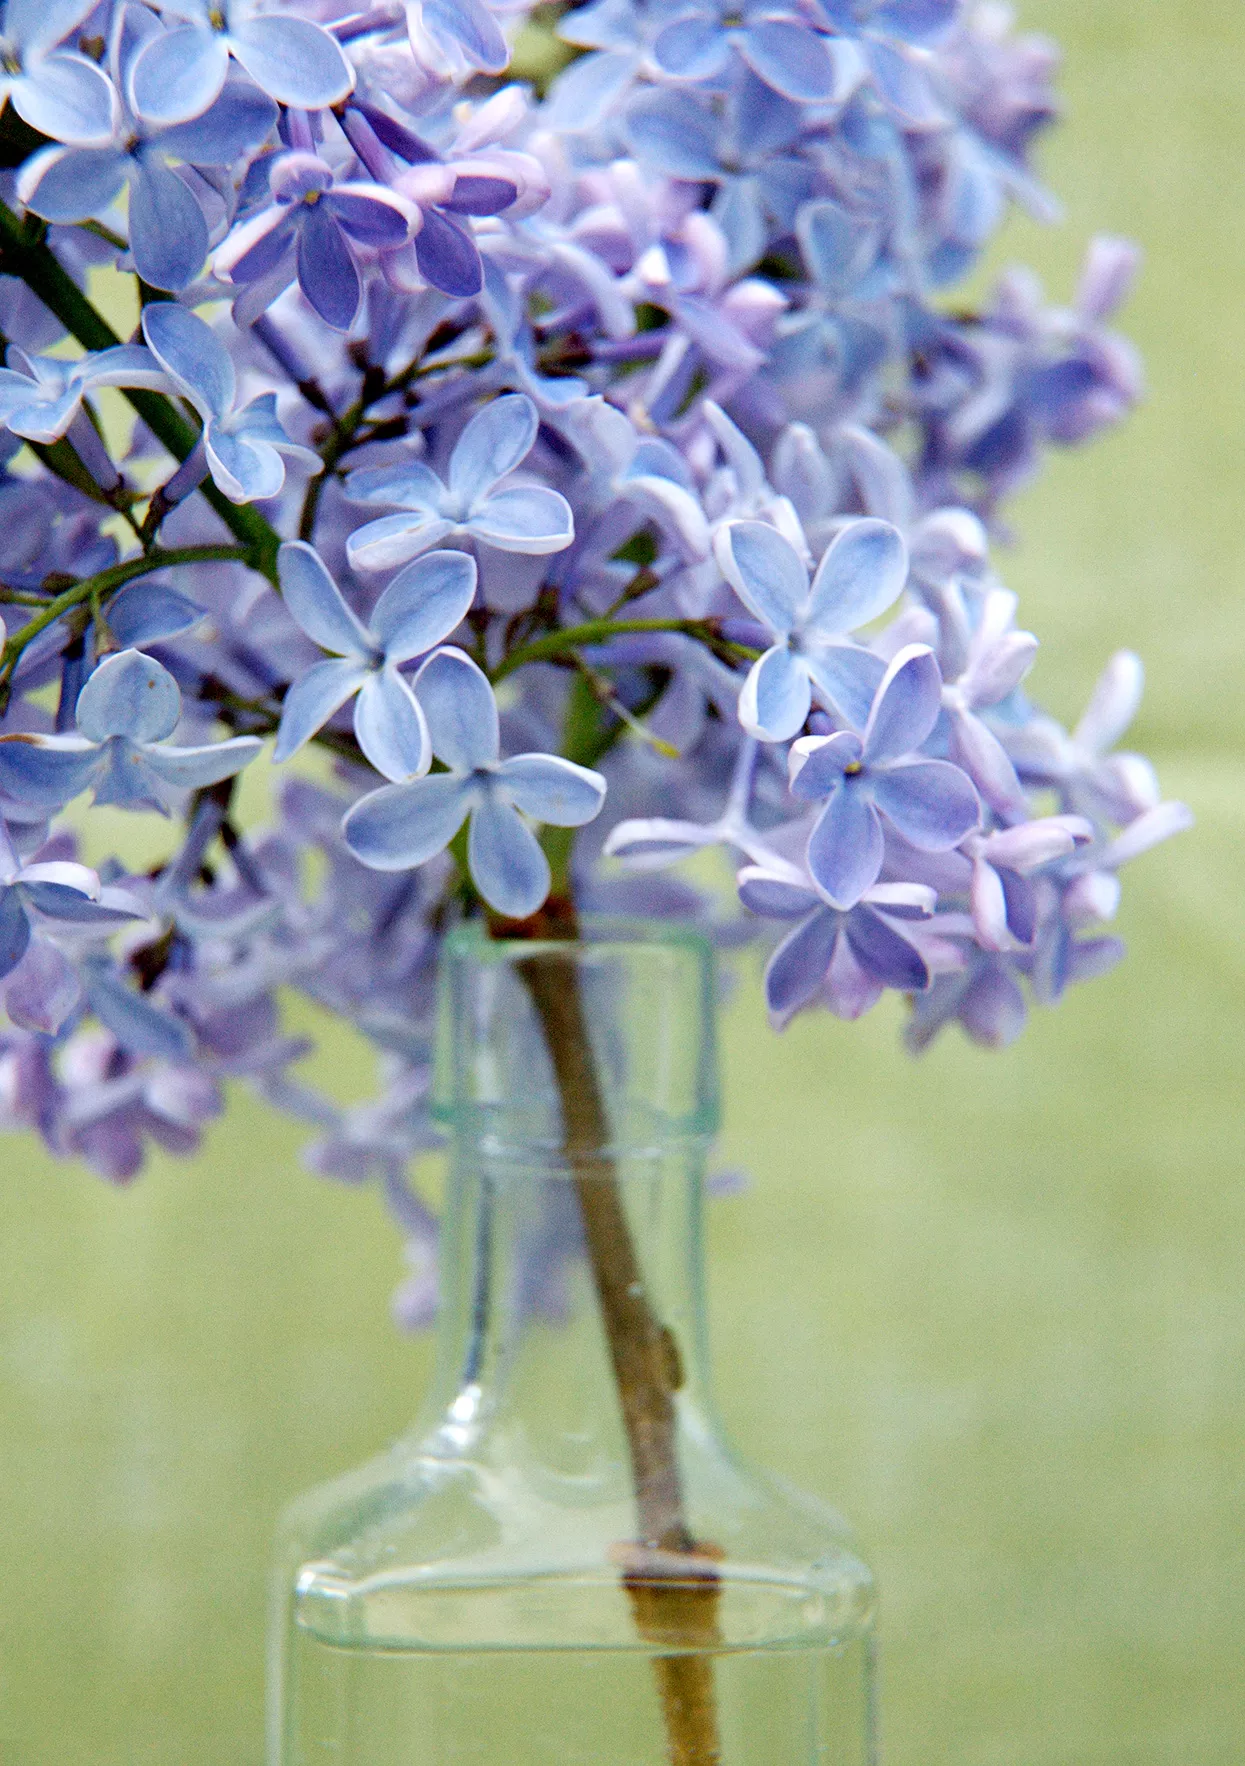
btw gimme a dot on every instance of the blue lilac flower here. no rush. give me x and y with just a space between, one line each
242 448
472 502
860 575
40 396
419 610
180 72
863 777
57 91
403 825
168 232
127 709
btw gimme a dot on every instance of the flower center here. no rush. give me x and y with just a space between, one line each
10 58
852 768
217 20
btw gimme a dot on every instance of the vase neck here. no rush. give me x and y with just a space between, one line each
521 1348
578 1085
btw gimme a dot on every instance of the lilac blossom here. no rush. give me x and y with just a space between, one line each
168 230
179 73
679 469
405 824
851 954
419 610
242 447
40 396
127 709
860 575
311 232
471 503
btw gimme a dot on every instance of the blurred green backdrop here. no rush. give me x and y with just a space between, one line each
992 1306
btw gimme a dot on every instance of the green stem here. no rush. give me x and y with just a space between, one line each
24 254
95 588
599 631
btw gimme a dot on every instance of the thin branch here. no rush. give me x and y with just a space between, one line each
565 643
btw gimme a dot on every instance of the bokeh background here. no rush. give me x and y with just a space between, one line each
990 1305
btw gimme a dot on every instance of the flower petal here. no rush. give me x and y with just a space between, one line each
326 269
885 953
72 183
507 864
551 789
861 574
401 826
131 695
497 439
1112 704
775 699
905 707
448 256
14 930
847 679
817 764
293 60
773 897
529 519
168 234
791 58
192 354
193 768
798 967
461 711
316 602
47 773
394 539
410 484
390 726
313 699
765 571
69 98
932 803
423 604
845 846
177 74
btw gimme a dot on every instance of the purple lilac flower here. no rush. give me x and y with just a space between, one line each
242 448
311 231
864 777
40 396
168 231
860 575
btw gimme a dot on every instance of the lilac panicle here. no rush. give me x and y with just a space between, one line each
594 480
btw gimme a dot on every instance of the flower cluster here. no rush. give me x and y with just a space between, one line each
586 476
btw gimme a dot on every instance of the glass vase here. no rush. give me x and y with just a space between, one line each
564 1560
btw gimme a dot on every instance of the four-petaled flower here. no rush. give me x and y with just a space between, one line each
242 448
309 232
930 803
860 575
849 954
403 825
518 518
168 232
418 611
41 395
124 713
179 72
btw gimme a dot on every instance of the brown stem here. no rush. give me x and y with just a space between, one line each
670 1578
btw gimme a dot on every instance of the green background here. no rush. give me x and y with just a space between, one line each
991 1305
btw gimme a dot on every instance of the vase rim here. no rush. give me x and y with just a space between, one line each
598 932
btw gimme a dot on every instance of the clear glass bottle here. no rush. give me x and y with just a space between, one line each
540 1572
